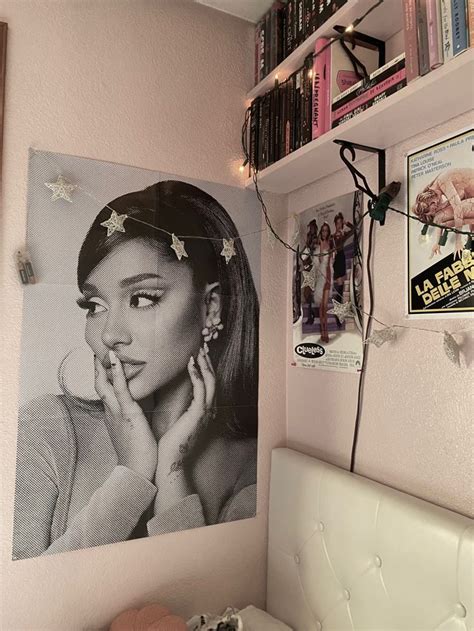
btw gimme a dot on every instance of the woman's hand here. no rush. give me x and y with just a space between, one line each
178 442
129 430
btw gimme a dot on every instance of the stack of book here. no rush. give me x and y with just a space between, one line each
435 31
321 95
284 27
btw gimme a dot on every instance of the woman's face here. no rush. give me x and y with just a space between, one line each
325 232
339 223
146 309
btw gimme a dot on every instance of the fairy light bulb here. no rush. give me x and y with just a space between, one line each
349 28
423 238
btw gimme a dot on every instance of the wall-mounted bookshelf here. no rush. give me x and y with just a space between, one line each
381 23
426 102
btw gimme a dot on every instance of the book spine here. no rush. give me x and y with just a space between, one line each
268 42
306 131
253 136
369 94
283 27
411 39
283 116
435 45
319 87
470 21
287 125
261 113
266 131
458 17
307 18
368 104
422 30
281 31
276 130
375 77
262 48
275 31
327 89
300 22
447 29
256 77
289 27
298 100
294 34
291 114
314 16
322 12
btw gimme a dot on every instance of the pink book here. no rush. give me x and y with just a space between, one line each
435 41
321 96
411 39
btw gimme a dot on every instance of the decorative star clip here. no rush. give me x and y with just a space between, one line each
62 189
178 247
114 223
309 279
228 251
451 348
378 338
342 310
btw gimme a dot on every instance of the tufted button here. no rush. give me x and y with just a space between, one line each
321 526
460 610
378 561
319 626
347 594
297 559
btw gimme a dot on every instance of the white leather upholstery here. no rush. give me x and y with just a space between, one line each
347 553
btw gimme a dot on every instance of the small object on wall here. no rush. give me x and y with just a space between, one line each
25 268
451 348
378 338
21 268
178 247
114 223
379 208
341 310
62 189
228 251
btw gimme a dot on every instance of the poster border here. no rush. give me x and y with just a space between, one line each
435 313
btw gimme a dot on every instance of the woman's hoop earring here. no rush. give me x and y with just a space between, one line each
211 331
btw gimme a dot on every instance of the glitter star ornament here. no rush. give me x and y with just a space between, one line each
341 310
378 338
309 279
62 189
114 223
228 251
178 247
451 348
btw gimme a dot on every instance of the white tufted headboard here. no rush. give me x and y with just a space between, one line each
347 553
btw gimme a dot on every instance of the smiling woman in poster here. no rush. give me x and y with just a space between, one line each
171 442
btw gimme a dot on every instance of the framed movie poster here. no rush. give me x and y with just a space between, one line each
139 356
440 190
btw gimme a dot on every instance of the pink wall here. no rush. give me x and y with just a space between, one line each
416 430
158 84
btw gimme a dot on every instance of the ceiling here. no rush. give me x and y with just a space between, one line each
250 10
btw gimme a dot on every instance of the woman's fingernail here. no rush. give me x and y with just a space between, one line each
113 358
191 362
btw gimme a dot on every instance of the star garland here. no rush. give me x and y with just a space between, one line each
62 189
114 223
178 247
228 251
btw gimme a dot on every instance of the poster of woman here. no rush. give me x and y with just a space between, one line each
328 268
139 372
440 193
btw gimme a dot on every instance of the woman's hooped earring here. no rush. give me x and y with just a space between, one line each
211 331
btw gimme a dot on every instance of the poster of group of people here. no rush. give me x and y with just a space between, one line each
440 186
327 268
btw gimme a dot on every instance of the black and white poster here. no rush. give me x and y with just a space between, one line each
441 195
139 367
